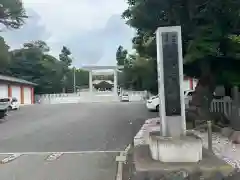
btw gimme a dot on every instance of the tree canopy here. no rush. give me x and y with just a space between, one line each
121 56
139 73
64 56
4 54
33 62
210 38
12 13
209 31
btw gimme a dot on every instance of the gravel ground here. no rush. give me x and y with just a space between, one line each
223 148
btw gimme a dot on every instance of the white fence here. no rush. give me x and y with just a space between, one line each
86 96
57 98
222 106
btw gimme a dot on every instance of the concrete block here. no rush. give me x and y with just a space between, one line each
153 120
227 131
121 158
235 137
183 149
147 168
151 129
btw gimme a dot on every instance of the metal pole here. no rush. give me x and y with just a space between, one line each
209 124
74 79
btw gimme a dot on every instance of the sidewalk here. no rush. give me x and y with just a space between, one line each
69 166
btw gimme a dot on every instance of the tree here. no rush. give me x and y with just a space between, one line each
66 62
32 63
139 73
37 45
121 55
12 13
81 77
210 40
64 56
4 54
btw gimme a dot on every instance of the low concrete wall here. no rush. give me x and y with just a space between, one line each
76 98
86 96
136 95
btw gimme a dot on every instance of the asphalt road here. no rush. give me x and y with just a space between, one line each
89 137
72 127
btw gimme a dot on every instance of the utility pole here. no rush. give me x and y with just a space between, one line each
74 79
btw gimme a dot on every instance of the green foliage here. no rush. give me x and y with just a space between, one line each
82 79
139 73
64 56
12 13
37 45
121 55
4 54
209 32
33 63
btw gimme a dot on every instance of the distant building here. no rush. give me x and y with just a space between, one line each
14 87
103 85
189 83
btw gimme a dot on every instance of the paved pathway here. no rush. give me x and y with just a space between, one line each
79 166
72 127
87 138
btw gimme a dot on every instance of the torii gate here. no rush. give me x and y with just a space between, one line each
114 68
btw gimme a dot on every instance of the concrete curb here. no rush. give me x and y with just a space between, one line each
121 159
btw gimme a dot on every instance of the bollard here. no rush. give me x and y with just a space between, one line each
209 126
132 132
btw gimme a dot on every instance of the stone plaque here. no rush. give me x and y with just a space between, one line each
171 73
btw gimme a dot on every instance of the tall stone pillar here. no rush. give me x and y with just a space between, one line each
170 81
90 81
172 144
115 82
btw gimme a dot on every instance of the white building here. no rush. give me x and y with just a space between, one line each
13 87
189 83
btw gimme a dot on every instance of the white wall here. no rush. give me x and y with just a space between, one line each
3 90
187 84
16 92
27 95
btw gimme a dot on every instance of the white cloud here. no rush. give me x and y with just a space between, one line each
64 18
92 29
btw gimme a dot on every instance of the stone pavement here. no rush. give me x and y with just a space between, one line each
59 166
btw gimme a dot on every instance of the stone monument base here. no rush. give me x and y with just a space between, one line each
147 168
169 149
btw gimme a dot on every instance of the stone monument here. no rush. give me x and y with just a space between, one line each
170 149
172 138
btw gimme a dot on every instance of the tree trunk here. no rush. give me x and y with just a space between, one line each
199 107
234 121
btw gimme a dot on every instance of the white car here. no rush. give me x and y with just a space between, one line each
125 97
13 103
153 102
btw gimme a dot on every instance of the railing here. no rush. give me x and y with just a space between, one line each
222 106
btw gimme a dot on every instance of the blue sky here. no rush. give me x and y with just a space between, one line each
92 29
